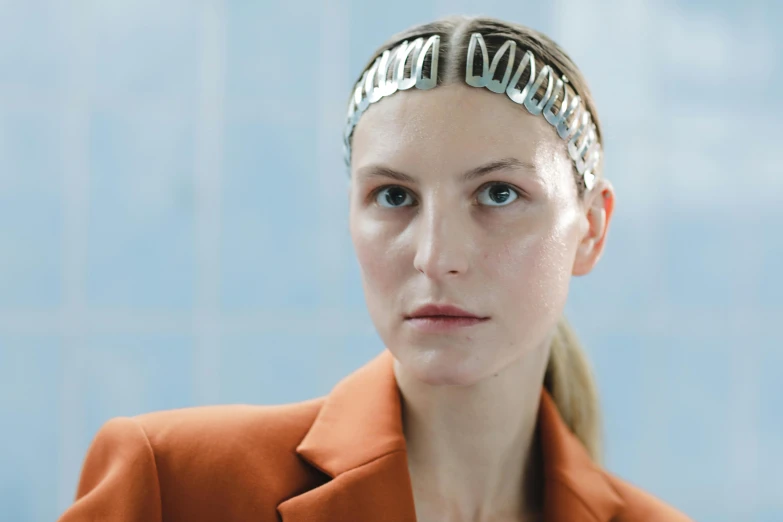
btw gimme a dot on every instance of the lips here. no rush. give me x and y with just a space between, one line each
443 324
443 311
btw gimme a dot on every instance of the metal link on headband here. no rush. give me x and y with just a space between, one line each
387 75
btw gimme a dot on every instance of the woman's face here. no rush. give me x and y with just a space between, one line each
502 245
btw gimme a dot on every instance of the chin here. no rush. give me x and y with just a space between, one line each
442 366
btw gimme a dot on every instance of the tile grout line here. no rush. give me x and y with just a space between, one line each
208 167
76 173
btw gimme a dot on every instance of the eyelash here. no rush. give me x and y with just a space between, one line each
520 193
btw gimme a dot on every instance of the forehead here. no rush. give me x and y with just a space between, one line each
451 126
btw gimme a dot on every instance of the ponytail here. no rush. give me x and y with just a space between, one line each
569 380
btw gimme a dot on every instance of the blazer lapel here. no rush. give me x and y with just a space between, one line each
357 440
577 489
377 491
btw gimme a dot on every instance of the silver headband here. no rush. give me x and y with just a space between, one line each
387 75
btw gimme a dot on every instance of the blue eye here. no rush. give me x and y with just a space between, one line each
393 195
500 193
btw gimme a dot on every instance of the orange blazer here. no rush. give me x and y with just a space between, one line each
338 458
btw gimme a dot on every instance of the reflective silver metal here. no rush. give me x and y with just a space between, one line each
496 85
513 91
530 103
376 82
573 121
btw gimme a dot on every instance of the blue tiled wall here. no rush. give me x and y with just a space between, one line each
173 227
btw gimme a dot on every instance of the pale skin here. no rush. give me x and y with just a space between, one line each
503 245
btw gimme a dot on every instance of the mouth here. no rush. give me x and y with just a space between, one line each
444 316
442 311
443 323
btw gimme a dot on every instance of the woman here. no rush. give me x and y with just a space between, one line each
475 195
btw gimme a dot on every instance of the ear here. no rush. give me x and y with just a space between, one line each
599 207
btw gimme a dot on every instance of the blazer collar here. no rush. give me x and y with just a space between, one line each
357 440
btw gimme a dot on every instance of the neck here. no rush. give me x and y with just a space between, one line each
472 450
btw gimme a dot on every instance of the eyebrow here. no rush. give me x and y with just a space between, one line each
470 175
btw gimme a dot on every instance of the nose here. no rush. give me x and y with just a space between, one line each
442 244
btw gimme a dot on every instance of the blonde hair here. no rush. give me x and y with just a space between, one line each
569 380
568 377
455 31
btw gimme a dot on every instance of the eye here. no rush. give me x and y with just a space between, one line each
500 195
393 195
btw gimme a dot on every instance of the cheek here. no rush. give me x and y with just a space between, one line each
375 253
536 271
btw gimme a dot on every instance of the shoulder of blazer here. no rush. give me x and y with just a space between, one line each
240 457
275 424
642 506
